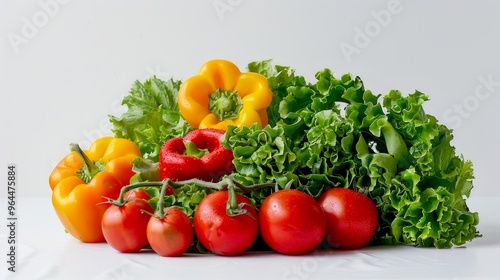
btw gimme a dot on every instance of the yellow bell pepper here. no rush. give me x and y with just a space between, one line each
221 95
82 180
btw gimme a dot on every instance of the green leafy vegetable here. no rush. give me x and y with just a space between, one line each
335 133
152 116
185 198
261 155
329 133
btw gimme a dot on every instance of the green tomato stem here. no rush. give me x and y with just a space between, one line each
232 207
160 213
224 184
120 201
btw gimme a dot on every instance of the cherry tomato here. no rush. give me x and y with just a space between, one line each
221 233
291 222
124 227
172 235
352 218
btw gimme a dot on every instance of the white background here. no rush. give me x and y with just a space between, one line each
65 65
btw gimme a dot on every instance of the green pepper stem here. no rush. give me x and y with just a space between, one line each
90 169
225 104
193 150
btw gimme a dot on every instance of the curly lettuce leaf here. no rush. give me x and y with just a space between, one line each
426 203
280 79
430 215
326 156
261 155
385 146
152 116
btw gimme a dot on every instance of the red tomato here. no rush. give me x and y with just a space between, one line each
141 193
124 227
172 235
291 222
137 193
223 234
352 218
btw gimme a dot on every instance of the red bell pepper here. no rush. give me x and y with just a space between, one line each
199 154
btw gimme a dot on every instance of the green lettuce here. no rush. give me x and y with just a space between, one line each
335 133
152 116
261 155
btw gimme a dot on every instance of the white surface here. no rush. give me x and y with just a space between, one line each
46 252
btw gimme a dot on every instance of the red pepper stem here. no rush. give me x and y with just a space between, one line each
193 150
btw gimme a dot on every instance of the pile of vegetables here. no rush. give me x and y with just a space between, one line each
218 159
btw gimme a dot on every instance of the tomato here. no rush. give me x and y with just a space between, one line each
221 233
352 218
171 235
124 227
141 193
291 222
137 193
